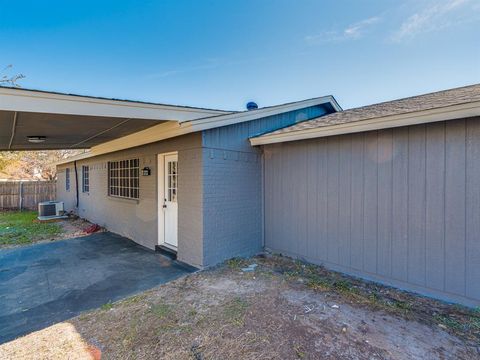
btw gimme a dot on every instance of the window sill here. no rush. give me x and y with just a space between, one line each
122 199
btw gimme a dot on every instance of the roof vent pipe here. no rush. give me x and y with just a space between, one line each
252 106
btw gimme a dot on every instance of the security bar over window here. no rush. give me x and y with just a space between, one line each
67 179
123 178
85 179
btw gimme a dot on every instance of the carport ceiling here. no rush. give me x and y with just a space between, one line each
79 122
63 131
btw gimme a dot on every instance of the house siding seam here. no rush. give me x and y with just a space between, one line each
400 206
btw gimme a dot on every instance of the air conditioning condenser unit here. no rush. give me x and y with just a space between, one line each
48 210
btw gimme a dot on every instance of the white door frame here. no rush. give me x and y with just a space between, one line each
161 196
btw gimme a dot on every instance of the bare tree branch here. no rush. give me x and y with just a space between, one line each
10 80
32 165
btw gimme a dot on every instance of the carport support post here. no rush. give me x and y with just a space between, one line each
20 197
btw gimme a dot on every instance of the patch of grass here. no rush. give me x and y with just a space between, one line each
22 227
234 311
343 286
192 312
133 299
461 321
470 324
169 319
319 283
236 263
319 279
299 352
402 306
131 332
162 310
450 322
107 306
475 323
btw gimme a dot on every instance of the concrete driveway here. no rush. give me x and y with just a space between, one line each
47 283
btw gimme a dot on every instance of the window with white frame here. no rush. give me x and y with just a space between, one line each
124 178
67 179
85 179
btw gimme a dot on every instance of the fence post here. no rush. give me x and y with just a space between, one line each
20 197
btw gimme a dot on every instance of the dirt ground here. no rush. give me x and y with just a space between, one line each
282 310
73 227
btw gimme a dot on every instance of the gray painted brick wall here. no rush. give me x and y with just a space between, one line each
232 194
400 206
190 207
137 219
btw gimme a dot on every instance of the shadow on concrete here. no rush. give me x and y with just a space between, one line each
44 284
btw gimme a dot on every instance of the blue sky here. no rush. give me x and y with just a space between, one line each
221 54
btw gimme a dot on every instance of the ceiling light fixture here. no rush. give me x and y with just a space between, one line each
36 139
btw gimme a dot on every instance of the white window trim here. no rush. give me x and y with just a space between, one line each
85 179
128 178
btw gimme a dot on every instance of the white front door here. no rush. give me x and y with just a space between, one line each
168 200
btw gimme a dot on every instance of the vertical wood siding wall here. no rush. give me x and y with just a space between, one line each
16 195
401 205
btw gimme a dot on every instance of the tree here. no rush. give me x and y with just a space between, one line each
10 80
33 165
29 165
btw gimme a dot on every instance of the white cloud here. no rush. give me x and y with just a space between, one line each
356 30
351 32
438 15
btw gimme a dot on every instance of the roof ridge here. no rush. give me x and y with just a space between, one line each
294 102
411 97
258 111
442 99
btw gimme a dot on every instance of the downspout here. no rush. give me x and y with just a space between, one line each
76 182
262 154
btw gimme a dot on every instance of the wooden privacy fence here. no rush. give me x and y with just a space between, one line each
19 195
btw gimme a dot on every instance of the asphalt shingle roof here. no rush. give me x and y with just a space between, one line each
429 101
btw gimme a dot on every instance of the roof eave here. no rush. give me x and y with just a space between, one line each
235 118
459 111
171 129
22 100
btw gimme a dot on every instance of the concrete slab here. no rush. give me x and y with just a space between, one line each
47 283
